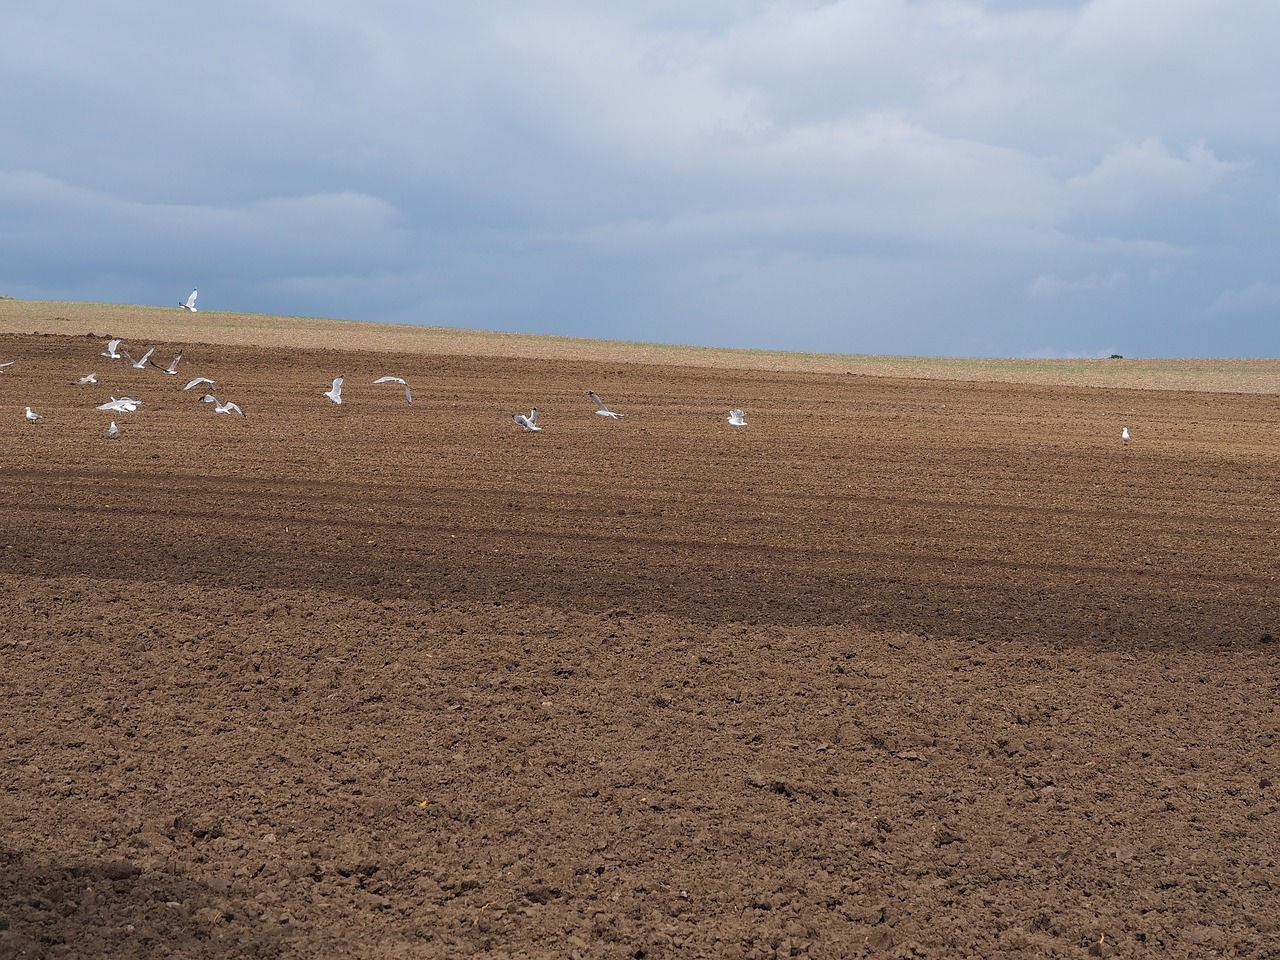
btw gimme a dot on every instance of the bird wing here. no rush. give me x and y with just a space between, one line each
191 300
407 395
390 380
533 417
197 381
147 356
125 353
598 402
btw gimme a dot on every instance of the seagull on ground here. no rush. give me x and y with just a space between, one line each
334 393
172 368
191 303
33 417
139 364
400 380
1124 435
737 418
113 431
91 378
603 411
113 349
530 422
197 381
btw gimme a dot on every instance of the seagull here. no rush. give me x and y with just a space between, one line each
191 303
33 417
139 364
737 418
197 381
113 349
603 411
530 422
172 368
91 378
226 408
9 364
1124 435
400 380
113 431
334 393
123 405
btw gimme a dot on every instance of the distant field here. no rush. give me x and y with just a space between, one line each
1253 376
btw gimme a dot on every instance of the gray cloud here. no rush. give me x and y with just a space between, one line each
873 175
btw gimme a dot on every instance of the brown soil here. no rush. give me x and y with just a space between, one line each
903 668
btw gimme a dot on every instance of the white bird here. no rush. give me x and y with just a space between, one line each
91 378
603 411
139 364
191 303
334 393
208 398
113 431
123 405
400 380
530 422
9 364
1124 435
33 417
226 408
172 368
113 349
197 381
737 418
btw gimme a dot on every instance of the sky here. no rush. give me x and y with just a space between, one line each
1052 178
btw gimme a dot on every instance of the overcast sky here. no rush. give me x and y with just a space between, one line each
984 178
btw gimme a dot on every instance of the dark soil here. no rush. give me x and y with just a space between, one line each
903 668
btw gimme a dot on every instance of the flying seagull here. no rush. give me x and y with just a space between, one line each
334 393
400 380
139 364
737 418
530 422
123 405
113 349
197 381
603 411
91 378
1124 435
172 368
226 408
191 303
33 417
113 431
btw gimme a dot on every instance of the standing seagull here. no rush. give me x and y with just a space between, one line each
172 368
400 380
113 349
530 422
334 393
603 411
737 418
190 304
113 431
1124 435
33 417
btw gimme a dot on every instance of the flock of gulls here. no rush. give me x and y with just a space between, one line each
116 351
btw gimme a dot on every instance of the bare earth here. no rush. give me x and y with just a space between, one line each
906 667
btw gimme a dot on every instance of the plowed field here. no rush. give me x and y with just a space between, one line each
902 668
